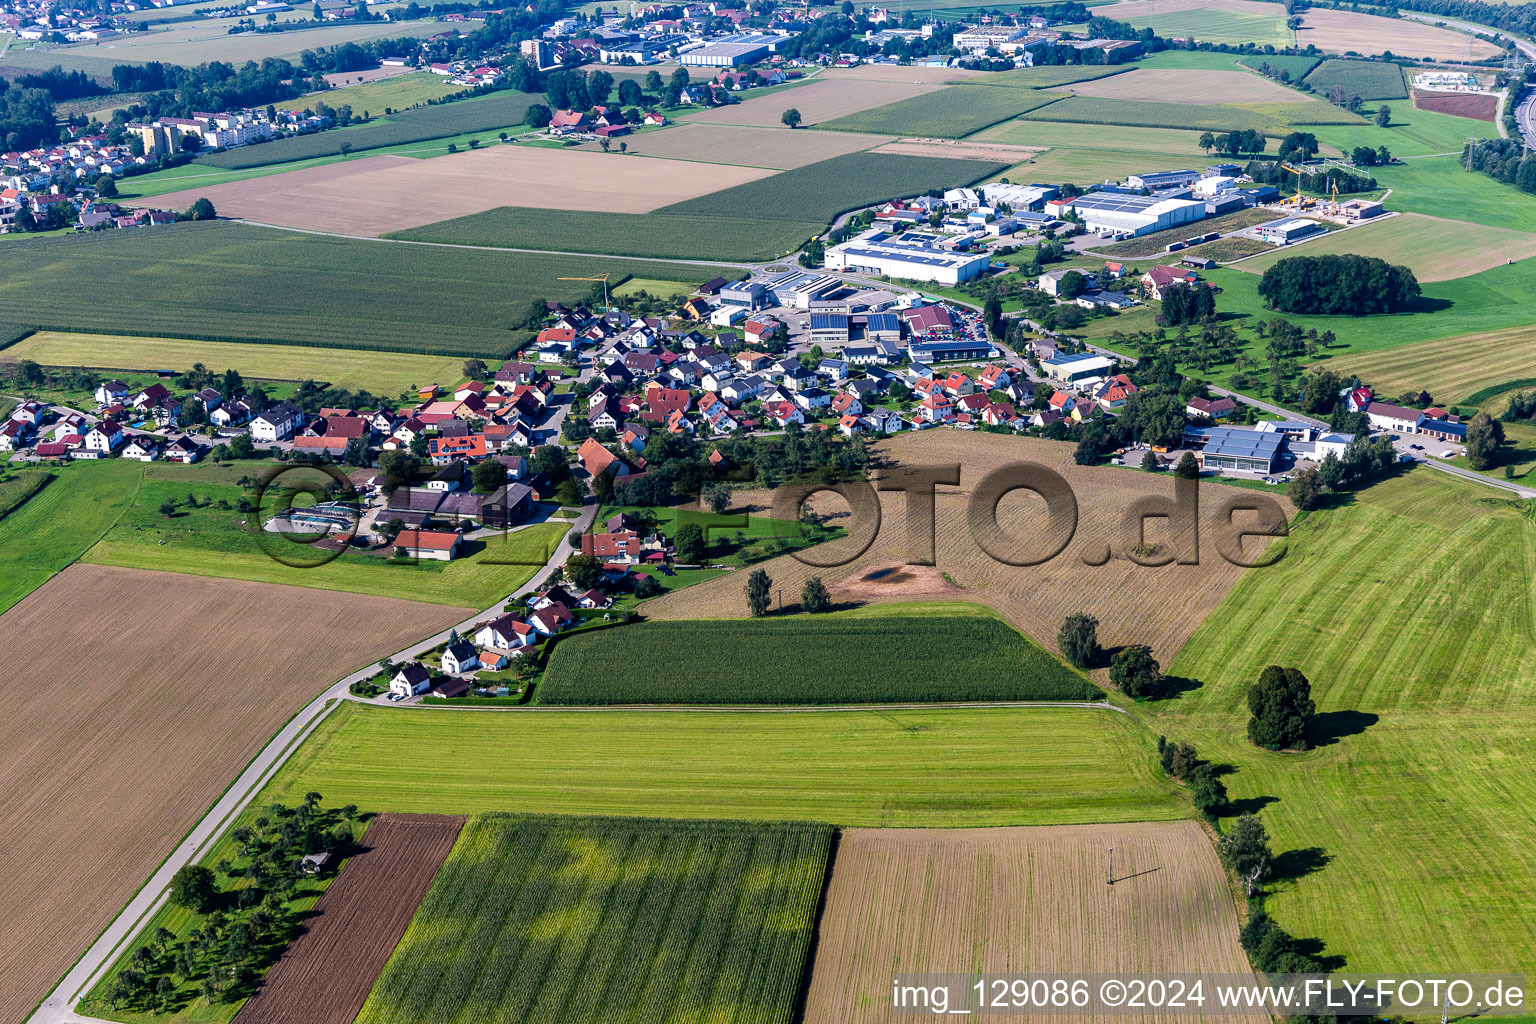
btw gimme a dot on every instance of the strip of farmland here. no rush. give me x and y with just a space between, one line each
327 972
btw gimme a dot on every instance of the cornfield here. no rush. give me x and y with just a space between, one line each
808 661
569 919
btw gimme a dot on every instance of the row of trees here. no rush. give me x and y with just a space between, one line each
814 596
1505 160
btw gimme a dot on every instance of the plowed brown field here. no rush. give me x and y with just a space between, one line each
1016 900
327 972
131 700
1476 105
1159 607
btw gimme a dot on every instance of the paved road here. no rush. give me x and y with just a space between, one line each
1525 118
58 1008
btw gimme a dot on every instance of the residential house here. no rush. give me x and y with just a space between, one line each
143 448
434 545
507 632
1385 416
104 438
411 680
277 423
1217 409
460 657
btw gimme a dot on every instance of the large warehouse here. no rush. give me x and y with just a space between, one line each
877 253
1255 451
1116 213
729 51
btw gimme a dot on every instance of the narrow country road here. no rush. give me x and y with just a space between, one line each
58 1008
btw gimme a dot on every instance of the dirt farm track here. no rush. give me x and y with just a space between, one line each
1016 900
327 972
132 699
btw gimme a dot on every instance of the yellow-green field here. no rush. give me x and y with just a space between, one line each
394 93
384 373
673 289
1450 369
1434 248
1085 153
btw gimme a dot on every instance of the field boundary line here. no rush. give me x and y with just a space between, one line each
779 709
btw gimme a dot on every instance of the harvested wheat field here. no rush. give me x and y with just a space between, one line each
325 974
1476 105
956 149
819 101
1016 900
746 145
1130 600
380 194
1434 248
899 73
121 729
1450 369
1180 85
1342 31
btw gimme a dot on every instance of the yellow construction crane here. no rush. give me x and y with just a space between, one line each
1333 197
601 277
1300 202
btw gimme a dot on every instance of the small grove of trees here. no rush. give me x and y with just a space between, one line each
1282 709
1136 672
1485 436
1338 284
1202 777
1187 305
1079 639
689 544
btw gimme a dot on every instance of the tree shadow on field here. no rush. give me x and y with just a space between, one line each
1176 686
1294 864
1248 805
1330 727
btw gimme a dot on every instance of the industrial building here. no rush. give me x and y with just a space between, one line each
1082 365
1156 181
829 328
1254 451
908 256
1283 232
1116 214
949 351
729 51
750 294
1018 197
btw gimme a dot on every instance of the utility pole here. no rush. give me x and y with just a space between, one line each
1112 874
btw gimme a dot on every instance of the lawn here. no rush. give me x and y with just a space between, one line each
733 538
56 525
1414 814
1434 248
568 920
950 113
384 373
843 658
222 281
1368 79
211 541
936 768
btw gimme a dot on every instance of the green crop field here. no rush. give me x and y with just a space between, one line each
393 93
742 223
950 113
1151 114
923 767
1048 76
211 541
55 526
224 281
1409 607
503 109
1091 153
568 920
1368 79
1211 25
383 373
835 659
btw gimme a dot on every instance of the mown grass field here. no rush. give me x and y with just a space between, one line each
1434 248
396 92
1370 80
950 113
1151 114
1409 608
1450 369
568 919
744 222
930 768
212 541
56 526
836 659
1413 132
383 373
1092 153
223 281
1216 26
1438 187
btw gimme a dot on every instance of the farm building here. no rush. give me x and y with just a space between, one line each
1080 366
1386 416
1255 451
1283 232
1115 213
876 253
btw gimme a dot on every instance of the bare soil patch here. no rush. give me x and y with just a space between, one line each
821 101
898 73
1342 31
326 973
132 698
1016 900
745 145
957 149
1134 603
1478 106
1180 85
896 580
379 194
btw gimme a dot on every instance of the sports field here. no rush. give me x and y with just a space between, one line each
235 281
817 101
1434 248
743 145
380 194
1016 901
92 792
928 768
1412 820
569 920
1450 369
383 373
